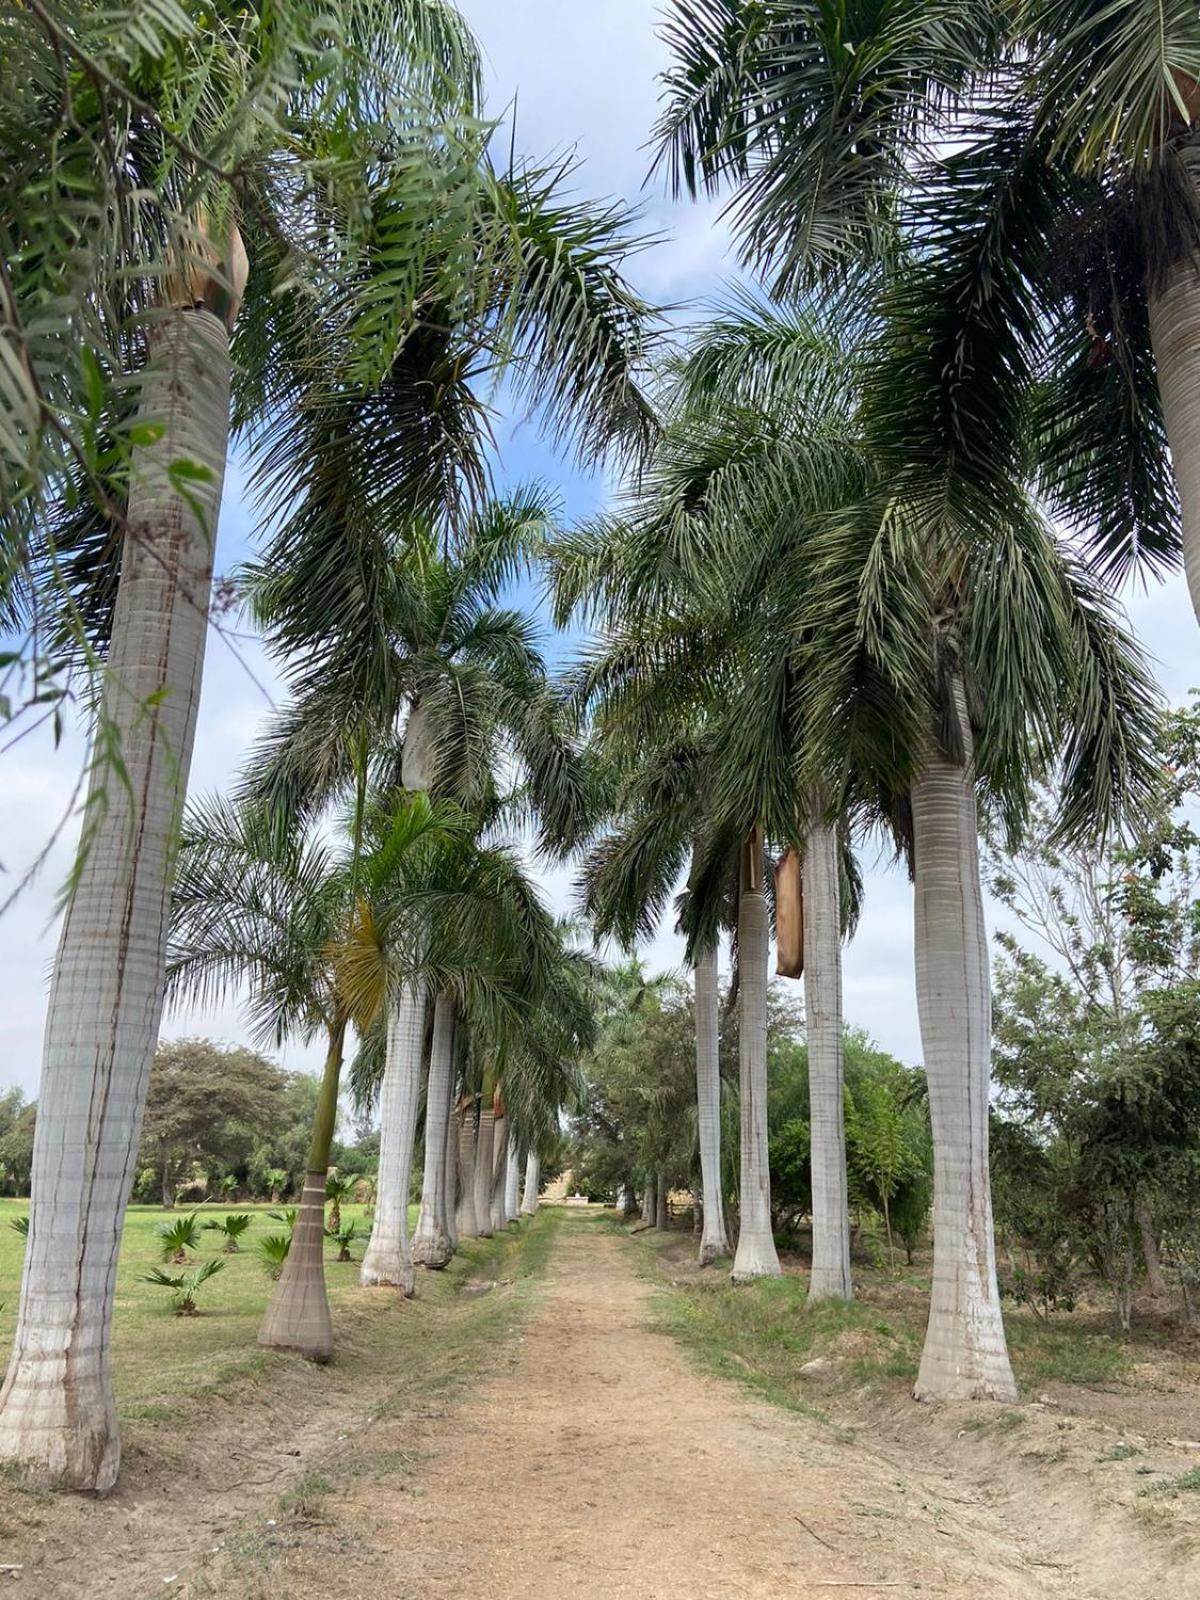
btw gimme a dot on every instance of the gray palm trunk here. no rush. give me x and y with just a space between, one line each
649 1203
450 1173
484 1154
1175 334
755 1256
57 1419
512 1184
499 1159
830 1278
388 1258
468 1225
965 1355
714 1241
431 1241
533 1184
662 1210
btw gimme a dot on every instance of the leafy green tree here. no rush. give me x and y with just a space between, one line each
206 1104
17 1120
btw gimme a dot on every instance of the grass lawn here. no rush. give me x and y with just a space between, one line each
159 1357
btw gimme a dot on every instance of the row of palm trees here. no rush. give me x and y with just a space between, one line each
830 599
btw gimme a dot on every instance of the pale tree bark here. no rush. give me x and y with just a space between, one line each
499 1158
450 1173
485 1148
649 1202
755 1256
533 1183
965 1355
830 1278
297 1315
714 1241
431 1241
468 1225
57 1420
1155 1279
512 1184
662 1210
1175 334
388 1258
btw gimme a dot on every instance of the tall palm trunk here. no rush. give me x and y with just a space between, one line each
512 1183
965 1354
56 1408
499 1159
755 1256
830 1279
662 1210
714 1242
485 1149
649 1202
533 1184
388 1258
431 1242
468 1223
450 1174
297 1315
1175 334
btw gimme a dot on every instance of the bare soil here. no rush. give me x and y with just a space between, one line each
586 1455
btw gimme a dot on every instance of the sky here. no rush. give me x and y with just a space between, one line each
577 78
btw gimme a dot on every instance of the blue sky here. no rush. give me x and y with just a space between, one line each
583 78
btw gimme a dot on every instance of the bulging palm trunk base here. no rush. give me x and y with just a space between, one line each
297 1317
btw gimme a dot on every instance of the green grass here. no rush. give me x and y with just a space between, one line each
763 1333
158 1357
1186 1483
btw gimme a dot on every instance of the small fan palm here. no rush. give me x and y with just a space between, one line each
286 1215
344 1237
183 1285
338 1190
178 1236
272 1252
20 1225
231 1229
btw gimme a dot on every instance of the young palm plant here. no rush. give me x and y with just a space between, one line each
178 1236
232 1229
184 1285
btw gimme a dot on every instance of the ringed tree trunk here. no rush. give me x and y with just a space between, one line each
468 1225
714 1241
297 1315
431 1242
756 1256
533 1184
662 1210
450 1173
965 1356
1174 308
388 1258
485 1149
499 1172
57 1420
649 1202
830 1277
512 1184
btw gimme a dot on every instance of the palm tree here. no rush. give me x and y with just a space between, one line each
760 430
305 926
125 441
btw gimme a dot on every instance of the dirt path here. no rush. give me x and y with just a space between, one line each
602 1464
534 1437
